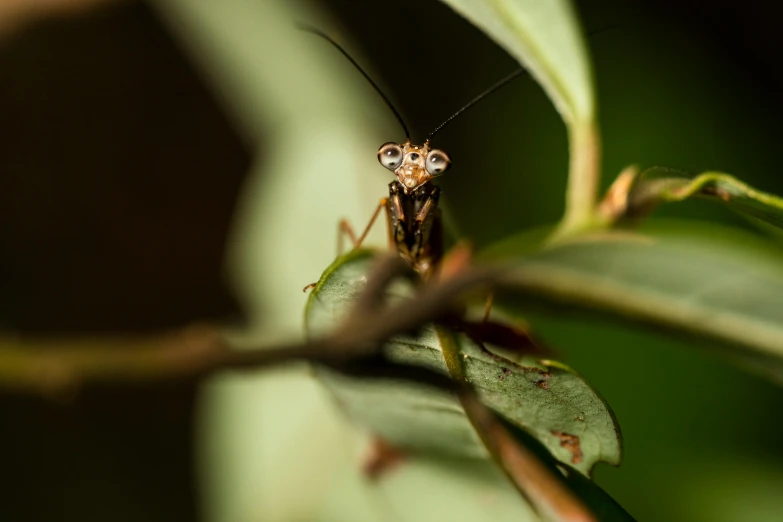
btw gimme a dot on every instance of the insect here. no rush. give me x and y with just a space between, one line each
415 231
412 214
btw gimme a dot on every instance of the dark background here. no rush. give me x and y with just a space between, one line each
118 174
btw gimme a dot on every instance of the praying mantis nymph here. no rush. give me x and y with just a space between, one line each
412 214
415 232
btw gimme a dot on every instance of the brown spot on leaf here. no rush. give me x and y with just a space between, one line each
543 382
506 373
571 443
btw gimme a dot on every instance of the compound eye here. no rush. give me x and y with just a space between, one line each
390 155
437 162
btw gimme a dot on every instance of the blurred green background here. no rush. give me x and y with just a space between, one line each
123 155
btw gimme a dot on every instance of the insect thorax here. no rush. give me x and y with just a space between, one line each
415 224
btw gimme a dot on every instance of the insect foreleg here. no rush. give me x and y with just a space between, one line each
345 229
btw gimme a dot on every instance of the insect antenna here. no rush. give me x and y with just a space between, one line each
478 98
318 32
502 83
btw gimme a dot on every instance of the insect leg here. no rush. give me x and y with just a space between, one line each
390 227
345 228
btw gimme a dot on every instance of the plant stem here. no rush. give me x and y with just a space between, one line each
584 178
548 494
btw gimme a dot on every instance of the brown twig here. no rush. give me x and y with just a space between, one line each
385 269
549 495
48 366
535 481
354 348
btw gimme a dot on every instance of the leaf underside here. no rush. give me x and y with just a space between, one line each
545 37
713 284
546 399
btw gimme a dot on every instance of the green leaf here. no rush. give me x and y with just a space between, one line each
600 504
545 398
712 283
658 184
545 37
